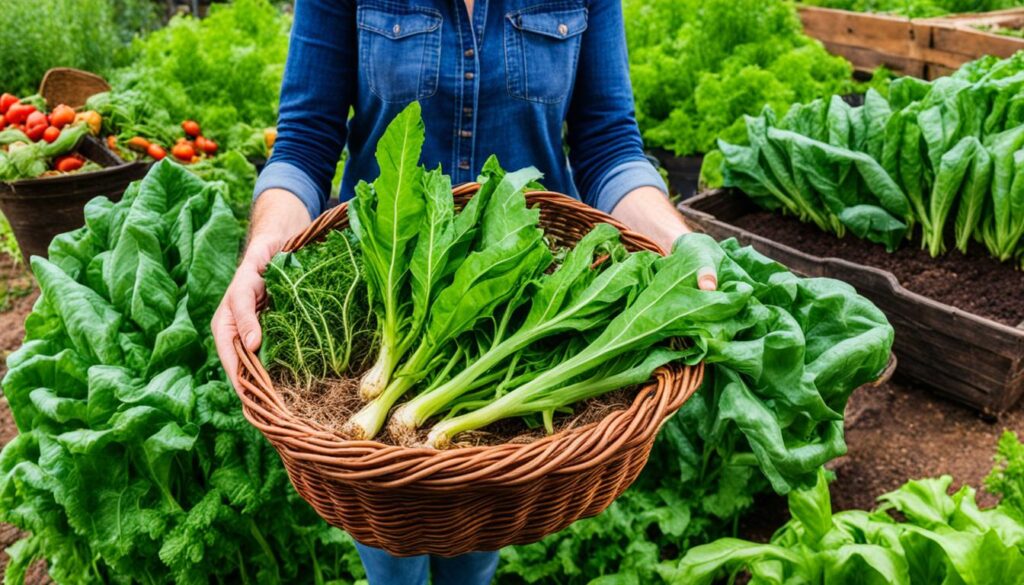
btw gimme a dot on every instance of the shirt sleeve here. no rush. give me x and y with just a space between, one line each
317 91
605 149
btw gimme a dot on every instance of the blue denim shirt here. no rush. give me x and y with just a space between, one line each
506 81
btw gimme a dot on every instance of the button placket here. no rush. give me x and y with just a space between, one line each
466 124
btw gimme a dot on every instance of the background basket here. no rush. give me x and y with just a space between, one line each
71 87
412 501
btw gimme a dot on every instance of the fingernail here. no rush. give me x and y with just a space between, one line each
250 340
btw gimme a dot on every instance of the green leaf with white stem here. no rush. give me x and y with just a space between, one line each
671 306
387 216
511 252
972 203
959 166
573 298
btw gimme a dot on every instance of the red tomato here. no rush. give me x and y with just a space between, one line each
156 151
62 116
209 146
191 128
69 163
6 101
36 125
18 113
183 152
51 133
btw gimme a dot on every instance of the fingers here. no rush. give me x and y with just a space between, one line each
223 328
242 298
707 279
236 317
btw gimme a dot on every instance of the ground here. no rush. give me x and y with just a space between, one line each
895 432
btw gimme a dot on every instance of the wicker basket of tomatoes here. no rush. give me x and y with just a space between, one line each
54 157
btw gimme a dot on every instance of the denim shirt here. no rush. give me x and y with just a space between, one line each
506 81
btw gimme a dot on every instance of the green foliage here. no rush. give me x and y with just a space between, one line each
319 323
939 538
943 156
1007 477
224 71
747 429
917 8
36 35
699 66
133 461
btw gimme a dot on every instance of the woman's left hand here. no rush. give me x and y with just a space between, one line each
648 211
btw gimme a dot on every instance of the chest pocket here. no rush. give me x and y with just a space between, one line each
542 46
400 51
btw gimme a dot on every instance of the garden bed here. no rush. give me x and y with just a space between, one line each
955 317
924 48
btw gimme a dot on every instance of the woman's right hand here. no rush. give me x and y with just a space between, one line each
277 217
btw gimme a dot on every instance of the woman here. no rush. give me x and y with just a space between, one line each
497 77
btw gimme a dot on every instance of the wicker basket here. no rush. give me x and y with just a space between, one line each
412 501
72 87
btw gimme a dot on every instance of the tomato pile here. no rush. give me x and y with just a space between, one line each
189 149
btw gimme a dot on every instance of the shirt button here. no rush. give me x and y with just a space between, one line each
464 164
470 75
468 112
562 30
469 53
396 29
466 134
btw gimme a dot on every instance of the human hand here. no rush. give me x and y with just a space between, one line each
277 217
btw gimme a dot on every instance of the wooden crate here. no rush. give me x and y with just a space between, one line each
925 48
963 356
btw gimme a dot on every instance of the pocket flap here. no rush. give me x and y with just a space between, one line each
561 24
396 25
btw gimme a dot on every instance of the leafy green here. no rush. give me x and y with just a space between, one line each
133 462
319 323
942 155
37 35
1007 477
386 217
942 539
699 66
224 71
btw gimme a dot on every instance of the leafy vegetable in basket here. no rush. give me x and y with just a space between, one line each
133 462
934 160
478 324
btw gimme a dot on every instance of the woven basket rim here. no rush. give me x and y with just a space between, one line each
570 450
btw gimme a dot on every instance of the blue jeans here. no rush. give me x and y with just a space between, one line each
469 569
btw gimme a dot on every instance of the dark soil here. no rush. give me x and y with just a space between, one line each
974 282
897 432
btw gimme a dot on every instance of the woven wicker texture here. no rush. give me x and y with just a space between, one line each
412 501
71 87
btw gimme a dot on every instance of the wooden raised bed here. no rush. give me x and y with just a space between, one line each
869 41
957 39
965 357
925 48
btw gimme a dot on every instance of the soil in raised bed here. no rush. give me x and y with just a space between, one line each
974 282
